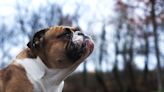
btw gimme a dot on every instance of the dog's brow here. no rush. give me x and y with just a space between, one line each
74 29
67 29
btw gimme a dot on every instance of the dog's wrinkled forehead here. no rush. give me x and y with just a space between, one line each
61 28
56 30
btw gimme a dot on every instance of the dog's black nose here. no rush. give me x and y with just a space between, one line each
82 34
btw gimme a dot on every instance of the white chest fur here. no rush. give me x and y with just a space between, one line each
42 78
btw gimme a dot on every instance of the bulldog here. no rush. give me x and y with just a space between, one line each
52 55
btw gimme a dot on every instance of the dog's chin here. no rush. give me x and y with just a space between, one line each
80 49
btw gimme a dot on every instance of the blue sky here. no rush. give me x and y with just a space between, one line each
93 9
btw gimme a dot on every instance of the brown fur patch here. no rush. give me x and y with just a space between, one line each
14 79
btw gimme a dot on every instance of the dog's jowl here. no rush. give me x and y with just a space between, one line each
52 54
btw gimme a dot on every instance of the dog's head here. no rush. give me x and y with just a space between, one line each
61 46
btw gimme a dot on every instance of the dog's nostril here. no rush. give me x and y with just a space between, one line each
80 33
86 37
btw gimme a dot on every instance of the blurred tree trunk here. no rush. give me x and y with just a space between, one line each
157 53
146 52
128 59
130 64
116 71
98 71
117 52
102 46
85 74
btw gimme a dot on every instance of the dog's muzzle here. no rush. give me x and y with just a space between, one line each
80 45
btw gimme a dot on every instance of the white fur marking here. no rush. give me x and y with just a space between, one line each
43 79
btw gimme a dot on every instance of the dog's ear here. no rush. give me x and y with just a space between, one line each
37 39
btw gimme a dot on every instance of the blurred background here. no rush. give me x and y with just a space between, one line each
128 36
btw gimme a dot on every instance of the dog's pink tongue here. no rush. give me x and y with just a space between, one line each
90 44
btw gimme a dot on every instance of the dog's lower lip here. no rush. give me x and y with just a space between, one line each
89 44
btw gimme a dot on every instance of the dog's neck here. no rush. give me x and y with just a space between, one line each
43 78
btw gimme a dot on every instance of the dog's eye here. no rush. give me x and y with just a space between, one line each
66 34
